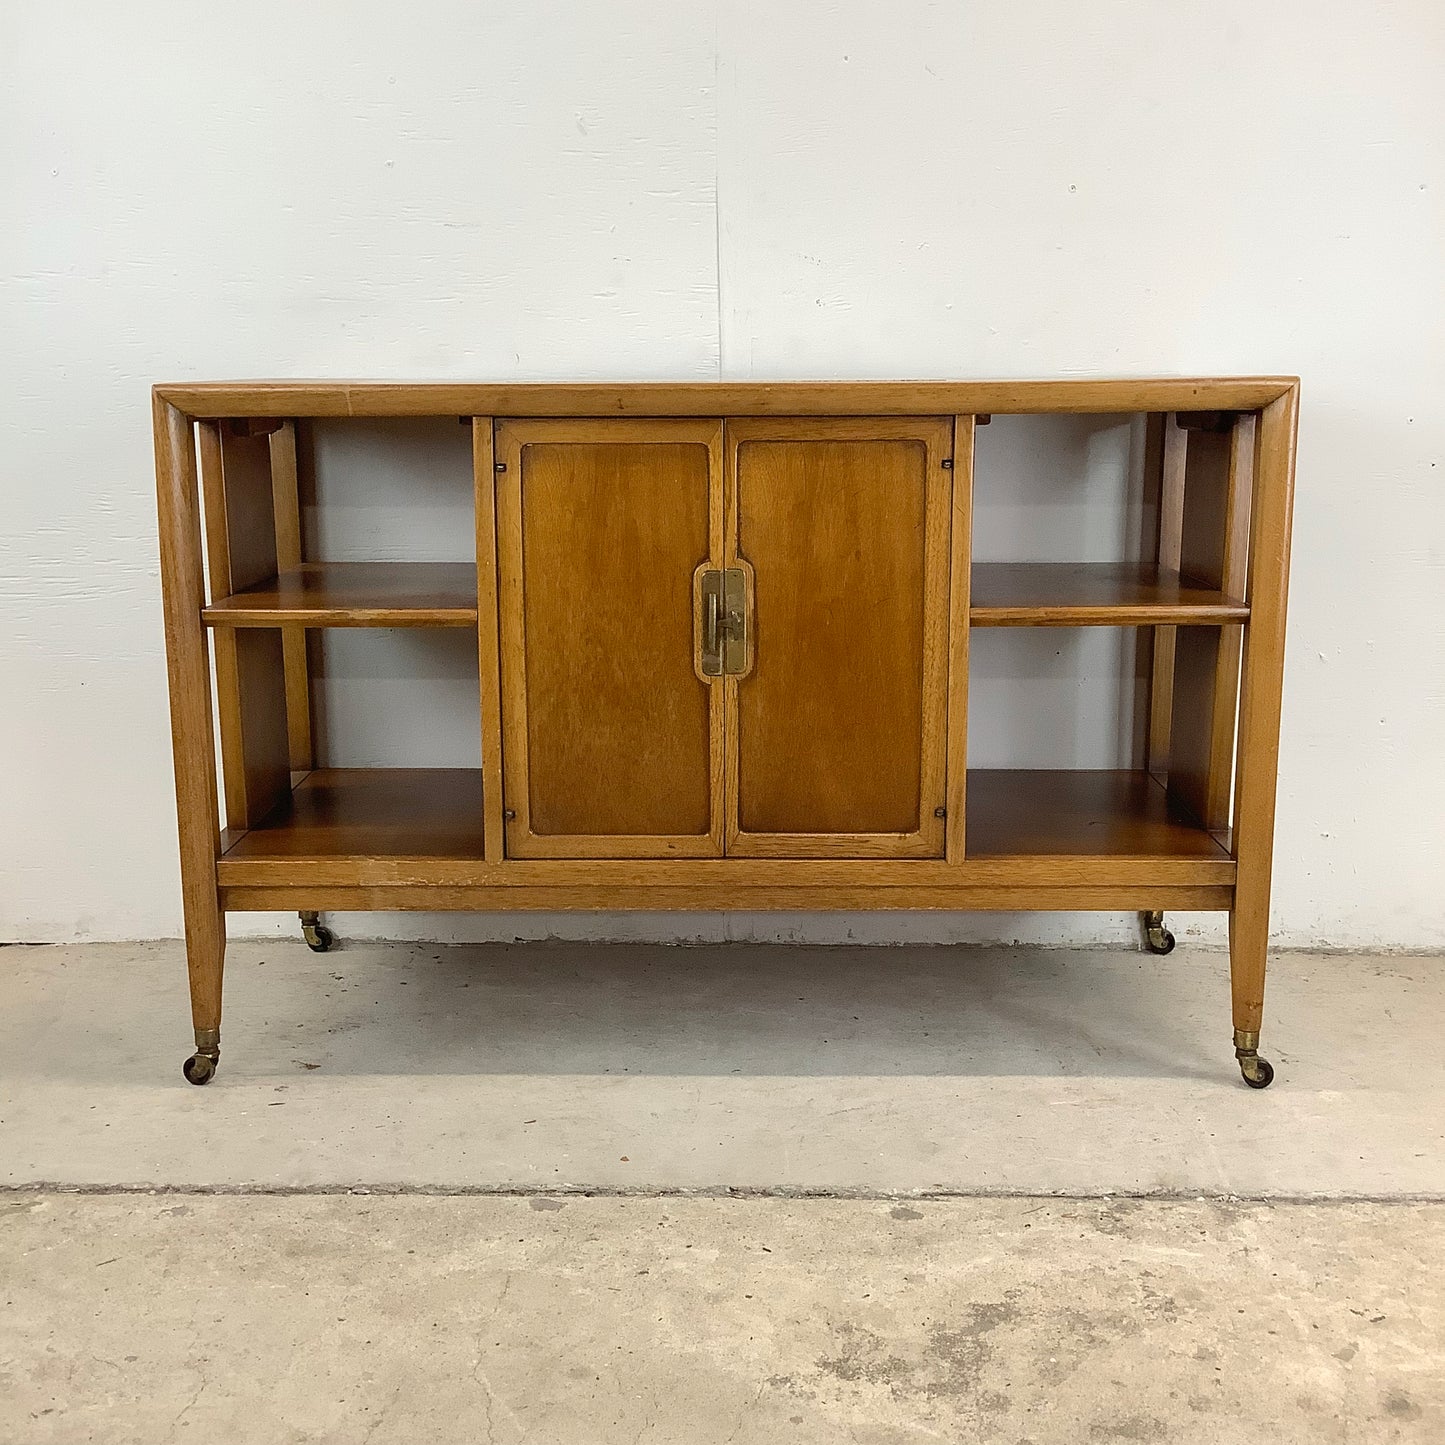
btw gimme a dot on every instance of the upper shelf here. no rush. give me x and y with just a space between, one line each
356 594
1093 594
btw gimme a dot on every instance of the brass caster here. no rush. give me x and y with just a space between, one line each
1157 938
200 1068
318 936
1258 1073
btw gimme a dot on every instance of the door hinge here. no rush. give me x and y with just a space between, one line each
722 600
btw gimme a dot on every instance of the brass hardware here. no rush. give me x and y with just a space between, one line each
1157 938
317 935
723 641
1258 1073
712 663
510 814
940 812
200 1068
947 464
499 466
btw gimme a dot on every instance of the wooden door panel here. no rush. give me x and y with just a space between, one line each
836 735
612 744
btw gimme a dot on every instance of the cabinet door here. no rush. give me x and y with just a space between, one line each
612 742
836 733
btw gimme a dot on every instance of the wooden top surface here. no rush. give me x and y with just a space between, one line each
208 399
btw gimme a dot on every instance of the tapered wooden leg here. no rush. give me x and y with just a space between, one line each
1248 957
205 962
1259 707
192 745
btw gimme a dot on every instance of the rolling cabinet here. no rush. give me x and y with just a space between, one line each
722 639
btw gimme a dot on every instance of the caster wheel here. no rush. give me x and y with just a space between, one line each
199 1069
1157 938
1258 1073
318 938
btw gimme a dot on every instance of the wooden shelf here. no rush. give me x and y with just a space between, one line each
371 813
1093 594
356 594
1055 812
1011 813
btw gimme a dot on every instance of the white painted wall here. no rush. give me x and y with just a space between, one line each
691 190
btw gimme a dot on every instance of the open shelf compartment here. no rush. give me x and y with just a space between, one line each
369 813
1052 812
1094 594
356 594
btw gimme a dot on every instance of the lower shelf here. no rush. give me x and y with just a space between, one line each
436 813
371 813
1074 813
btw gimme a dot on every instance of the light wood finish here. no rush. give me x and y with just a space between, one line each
1214 547
1260 700
290 553
611 705
489 657
612 743
1024 874
1171 447
835 741
1059 829
251 700
250 672
371 812
960 591
1093 594
1065 813
189 676
356 594
712 399
725 897
240 507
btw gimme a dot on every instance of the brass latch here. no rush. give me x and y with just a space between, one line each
722 599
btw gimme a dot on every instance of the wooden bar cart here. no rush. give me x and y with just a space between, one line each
723 661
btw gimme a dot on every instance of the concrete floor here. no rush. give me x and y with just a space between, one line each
414 1319
878 1070
445 1312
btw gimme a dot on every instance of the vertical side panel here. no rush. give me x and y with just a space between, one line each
1259 710
247 509
188 672
228 686
250 672
960 580
290 552
489 661
1172 443
1214 550
260 698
